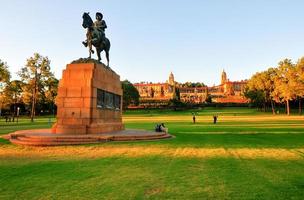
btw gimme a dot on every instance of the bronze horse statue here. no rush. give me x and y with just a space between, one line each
94 38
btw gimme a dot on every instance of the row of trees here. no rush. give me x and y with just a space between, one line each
282 84
37 88
35 91
193 85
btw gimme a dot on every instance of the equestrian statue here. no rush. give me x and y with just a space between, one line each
96 35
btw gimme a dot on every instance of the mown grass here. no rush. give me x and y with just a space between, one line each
247 155
236 127
25 123
152 178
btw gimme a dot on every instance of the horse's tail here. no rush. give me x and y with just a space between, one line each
108 45
108 58
107 49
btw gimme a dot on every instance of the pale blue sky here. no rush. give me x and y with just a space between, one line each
194 39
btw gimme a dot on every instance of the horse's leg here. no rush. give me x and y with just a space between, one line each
107 56
98 54
90 49
89 43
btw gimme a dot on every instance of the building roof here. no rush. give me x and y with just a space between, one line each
150 84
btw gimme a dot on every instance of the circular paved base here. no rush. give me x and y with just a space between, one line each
44 137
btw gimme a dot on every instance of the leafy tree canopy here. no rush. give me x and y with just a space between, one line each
130 94
4 72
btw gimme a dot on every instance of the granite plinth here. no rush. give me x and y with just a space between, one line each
77 111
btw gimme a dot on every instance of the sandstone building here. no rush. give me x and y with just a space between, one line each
160 93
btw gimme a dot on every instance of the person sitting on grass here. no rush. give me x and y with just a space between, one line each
157 128
161 128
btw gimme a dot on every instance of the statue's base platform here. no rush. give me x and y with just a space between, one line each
45 137
89 100
85 129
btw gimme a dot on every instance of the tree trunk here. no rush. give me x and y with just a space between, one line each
300 105
287 107
265 106
272 107
33 108
14 112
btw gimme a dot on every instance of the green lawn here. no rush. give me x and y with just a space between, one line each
247 155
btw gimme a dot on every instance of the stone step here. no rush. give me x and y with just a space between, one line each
72 141
64 136
55 139
45 138
53 143
133 138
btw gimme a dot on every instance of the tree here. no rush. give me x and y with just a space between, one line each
35 75
12 94
51 86
130 94
256 90
282 84
4 72
285 82
208 96
4 79
177 94
193 85
271 75
300 82
175 104
256 97
266 84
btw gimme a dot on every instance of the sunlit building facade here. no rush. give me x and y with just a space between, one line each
160 93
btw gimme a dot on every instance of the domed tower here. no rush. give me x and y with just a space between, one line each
171 79
224 77
171 83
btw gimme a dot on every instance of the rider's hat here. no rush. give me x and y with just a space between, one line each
99 14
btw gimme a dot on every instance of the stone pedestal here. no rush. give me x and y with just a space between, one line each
89 100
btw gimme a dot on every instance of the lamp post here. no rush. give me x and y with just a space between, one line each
14 112
18 112
37 72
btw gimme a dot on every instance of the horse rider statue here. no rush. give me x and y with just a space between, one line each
100 26
96 35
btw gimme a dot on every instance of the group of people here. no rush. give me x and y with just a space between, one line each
161 128
214 118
